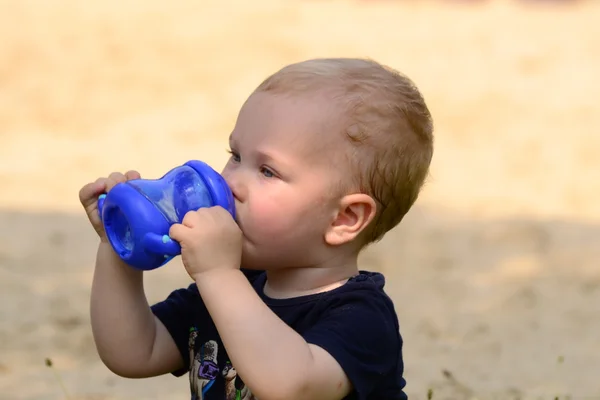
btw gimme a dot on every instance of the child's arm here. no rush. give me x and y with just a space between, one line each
130 340
274 360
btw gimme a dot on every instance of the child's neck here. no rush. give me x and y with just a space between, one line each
295 282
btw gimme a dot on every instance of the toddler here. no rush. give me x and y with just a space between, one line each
327 155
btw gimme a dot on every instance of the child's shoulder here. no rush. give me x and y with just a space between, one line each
365 293
357 325
366 285
367 280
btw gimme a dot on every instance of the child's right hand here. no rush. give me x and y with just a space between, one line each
88 196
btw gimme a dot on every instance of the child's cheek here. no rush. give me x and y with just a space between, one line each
271 219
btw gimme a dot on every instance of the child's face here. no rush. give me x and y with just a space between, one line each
282 173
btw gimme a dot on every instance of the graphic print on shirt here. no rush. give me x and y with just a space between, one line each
235 389
203 365
204 370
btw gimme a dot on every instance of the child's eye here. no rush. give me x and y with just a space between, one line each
267 172
234 156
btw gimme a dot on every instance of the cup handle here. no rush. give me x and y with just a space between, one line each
161 244
101 199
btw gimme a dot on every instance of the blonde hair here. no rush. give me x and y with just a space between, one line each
387 123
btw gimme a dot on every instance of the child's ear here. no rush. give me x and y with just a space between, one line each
354 214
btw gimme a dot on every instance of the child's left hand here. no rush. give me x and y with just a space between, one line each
209 239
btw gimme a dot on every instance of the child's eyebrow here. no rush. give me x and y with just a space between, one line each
271 158
265 157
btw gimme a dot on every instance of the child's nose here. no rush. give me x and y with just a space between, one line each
236 185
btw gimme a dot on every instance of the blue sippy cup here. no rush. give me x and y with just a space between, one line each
137 214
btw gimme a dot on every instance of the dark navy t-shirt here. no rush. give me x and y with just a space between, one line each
355 323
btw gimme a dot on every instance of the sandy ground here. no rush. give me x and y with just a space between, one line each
495 274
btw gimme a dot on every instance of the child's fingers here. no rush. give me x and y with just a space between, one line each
117 177
192 218
178 232
88 194
129 175
114 179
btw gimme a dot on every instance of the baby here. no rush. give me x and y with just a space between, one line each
327 155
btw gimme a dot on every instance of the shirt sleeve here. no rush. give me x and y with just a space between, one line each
363 337
182 309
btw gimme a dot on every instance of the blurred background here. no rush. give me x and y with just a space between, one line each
495 273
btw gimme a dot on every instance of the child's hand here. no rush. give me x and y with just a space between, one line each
209 239
88 195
